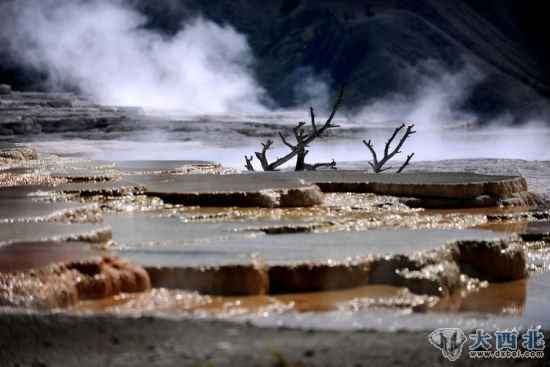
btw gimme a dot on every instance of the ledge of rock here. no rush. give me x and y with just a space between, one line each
272 189
425 261
177 183
44 231
427 189
45 275
494 261
238 279
537 231
230 190
287 189
33 113
19 153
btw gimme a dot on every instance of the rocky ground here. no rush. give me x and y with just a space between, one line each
64 340
257 268
33 113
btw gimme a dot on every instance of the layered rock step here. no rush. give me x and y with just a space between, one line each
231 190
44 231
217 186
425 261
430 189
425 189
25 203
32 113
46 275
537 231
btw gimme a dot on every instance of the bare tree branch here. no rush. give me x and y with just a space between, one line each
313 167
303 139
299 132
248 164
262 155
405 164
377 165
285 142
373 152
312 119
388 143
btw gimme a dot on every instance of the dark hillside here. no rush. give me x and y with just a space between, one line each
378 46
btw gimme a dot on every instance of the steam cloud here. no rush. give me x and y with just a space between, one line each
103 48
445 129
435 102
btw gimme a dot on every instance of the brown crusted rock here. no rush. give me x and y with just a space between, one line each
505 188
436 279
303 196
108 277
317 277
223 279
268 198
497 261
434 272
19 153
524 198
62 285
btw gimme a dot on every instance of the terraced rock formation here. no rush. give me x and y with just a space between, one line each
49 275
197 226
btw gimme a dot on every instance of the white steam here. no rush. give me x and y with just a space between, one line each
435 102
102 47
444 129
311 89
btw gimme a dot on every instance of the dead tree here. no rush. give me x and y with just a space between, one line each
378 165
298 149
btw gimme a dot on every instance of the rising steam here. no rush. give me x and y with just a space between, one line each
103 49
435 102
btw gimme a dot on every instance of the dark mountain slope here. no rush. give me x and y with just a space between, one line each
379 47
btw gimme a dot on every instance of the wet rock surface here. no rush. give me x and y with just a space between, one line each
425 261
19 154
430 189
537 231
212 251
343 261
12 232
46 275
33 113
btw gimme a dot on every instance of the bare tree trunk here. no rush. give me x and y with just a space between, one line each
300 160
303 139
